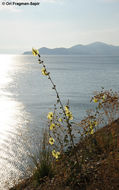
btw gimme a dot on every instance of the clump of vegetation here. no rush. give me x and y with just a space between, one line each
90 164
108 104
43 161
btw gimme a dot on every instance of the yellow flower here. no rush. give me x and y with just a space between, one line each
58 124
51 140
43 71
104 97
91 126
52 126
95 123
55 154
91 130
68 113
95 100
60 120
66 108
50 115
35 52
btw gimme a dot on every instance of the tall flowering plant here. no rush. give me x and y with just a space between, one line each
60 127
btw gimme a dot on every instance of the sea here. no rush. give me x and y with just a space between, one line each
26 97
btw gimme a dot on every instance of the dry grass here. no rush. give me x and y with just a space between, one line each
100 165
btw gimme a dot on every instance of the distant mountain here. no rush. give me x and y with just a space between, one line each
97 48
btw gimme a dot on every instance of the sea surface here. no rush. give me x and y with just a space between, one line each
26 96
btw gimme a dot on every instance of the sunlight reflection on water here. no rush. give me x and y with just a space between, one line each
13 118
5 67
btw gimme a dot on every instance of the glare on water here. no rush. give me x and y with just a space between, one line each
12 118
8 106
5 67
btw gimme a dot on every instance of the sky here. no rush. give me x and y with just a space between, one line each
57 23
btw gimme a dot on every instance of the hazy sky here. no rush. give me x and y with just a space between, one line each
58 23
